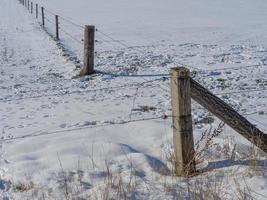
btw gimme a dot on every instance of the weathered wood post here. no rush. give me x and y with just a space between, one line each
182 122
28 5
43 21
227 114
89 43
31 7
36 11
57 27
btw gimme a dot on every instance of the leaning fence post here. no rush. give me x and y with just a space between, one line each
43 21
182 122
89 42
36 10
57 27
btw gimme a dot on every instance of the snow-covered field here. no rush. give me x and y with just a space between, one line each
104 136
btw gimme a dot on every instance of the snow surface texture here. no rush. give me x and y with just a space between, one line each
55 128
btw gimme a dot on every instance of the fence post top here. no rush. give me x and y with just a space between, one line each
89 27
180 72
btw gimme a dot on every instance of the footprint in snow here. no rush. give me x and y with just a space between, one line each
87 123
63 125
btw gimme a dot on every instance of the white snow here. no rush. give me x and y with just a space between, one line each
55 127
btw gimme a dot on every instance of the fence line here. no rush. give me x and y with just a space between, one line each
51 21
136 85
109 123
183 89
118 42
67 20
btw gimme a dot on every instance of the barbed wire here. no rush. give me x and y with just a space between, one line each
105 124
60 27
49 20
71 36
44 133
74 24
112 39
133 75
123 44
132 85
242 91
64 31
229 68
48 11
66 20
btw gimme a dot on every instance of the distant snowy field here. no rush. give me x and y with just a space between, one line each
56 130
176 21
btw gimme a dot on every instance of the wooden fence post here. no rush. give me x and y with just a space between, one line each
36 11
57 27
31 7
182 122
28 5
43 21
89 42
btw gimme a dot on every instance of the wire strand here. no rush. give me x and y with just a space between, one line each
242 91
73 23
49 20
132 85
40 133
71 36
66 20
111 38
